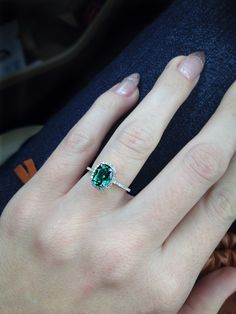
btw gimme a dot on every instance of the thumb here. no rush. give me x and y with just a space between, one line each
210 293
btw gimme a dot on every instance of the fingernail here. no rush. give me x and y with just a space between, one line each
128 85
192 65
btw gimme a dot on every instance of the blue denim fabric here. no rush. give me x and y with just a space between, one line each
186 26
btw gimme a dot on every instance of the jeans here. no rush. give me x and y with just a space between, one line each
186 26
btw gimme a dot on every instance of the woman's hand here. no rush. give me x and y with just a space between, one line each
68 248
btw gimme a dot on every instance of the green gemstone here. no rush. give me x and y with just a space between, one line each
102 176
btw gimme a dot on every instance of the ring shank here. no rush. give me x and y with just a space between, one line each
122 186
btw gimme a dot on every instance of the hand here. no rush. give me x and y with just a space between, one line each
67 247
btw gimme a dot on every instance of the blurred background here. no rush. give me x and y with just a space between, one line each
50 49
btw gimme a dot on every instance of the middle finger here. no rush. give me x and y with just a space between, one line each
193 171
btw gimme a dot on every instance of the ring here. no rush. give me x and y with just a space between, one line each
104 175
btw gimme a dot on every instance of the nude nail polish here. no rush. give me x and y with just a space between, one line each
128 85
192 65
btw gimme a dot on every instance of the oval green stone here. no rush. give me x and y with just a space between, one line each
102 176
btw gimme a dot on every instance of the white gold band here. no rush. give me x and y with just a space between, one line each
122 186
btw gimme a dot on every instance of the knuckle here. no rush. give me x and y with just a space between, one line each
205 162
136 141
114 265
114 257
18 218
220 205
78 140
55 244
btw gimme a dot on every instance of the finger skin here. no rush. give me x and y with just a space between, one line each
209 294
139 134
183 182
198 234
69 161
208 221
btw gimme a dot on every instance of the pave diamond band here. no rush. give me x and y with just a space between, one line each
104 175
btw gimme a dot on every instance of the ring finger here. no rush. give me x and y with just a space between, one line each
138 135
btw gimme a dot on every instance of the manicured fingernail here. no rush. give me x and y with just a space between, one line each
192 65
128 85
